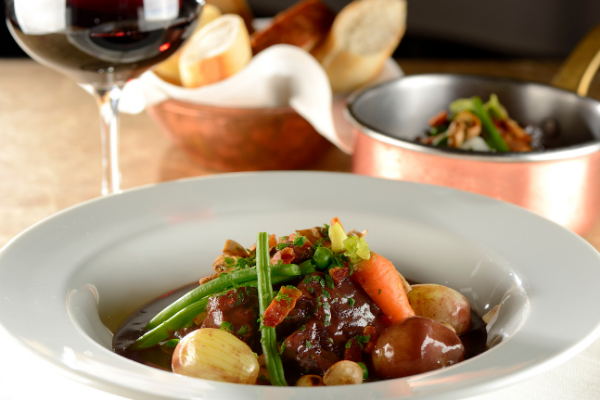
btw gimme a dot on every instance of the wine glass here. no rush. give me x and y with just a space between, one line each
102 44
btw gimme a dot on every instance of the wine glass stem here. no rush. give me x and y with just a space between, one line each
108 102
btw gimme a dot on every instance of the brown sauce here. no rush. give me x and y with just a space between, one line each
160 357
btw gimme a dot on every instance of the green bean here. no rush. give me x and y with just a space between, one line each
177 321
496 141
285 270
219 284
164 330
265 296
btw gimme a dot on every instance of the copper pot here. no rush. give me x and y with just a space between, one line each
562 184
240 139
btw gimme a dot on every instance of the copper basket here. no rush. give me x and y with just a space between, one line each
240 139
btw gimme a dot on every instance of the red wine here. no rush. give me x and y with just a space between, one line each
102 42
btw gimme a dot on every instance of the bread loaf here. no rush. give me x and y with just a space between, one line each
168 70
304 25
217 51
363 36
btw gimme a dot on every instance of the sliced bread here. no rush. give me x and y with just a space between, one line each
363 36
216 52
168 70
304 25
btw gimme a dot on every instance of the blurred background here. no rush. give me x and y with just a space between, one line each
463 28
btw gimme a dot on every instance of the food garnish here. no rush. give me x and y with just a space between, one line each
473 125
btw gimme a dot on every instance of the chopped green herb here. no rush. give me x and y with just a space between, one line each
283 297
285 237
283 347
326 306
325 231
243 330
351 301
299 240
362 339
330 340
318 244
262 377
318 279
308 345
229 260
302 328
329 281
281 246
226 326
348 344
325 293
327 320
379 291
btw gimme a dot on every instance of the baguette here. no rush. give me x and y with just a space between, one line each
217 51
363 36
168 70
305 25
239 7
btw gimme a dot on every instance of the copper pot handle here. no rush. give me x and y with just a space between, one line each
577 72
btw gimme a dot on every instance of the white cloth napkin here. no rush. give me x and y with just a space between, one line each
278 76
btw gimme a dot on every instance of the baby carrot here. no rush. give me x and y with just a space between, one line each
378 277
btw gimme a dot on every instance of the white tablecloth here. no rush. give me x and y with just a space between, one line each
578 378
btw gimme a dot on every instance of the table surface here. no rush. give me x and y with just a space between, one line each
50 160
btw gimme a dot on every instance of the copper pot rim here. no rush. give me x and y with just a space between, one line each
563 153
183 107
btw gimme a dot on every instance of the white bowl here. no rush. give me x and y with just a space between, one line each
80 273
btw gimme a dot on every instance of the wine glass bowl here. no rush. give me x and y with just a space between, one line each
103 44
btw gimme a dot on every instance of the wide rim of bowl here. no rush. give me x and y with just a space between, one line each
564 153
491 371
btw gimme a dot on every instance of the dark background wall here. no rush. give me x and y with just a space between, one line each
463 28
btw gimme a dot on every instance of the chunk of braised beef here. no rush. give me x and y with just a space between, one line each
238 308
334 314
291 254
297 317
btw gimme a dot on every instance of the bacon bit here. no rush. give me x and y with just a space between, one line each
312 234
336 220
353 351
439 118
272 240
280 307
286 255
370 331
338 274
307 243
